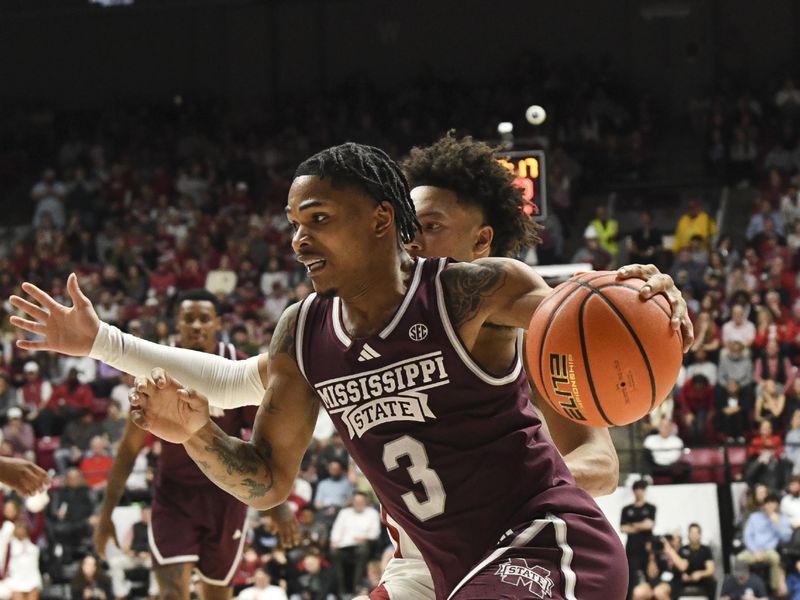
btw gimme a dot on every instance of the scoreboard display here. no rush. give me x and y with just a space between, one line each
528 168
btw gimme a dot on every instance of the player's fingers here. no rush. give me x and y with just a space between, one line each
33 345
74 290
33 311
159 377
687 330
191 397
637 271
660 283
28 325
42 297
39 474
134 398
142 385
139 419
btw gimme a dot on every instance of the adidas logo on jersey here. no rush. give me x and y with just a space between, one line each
367 353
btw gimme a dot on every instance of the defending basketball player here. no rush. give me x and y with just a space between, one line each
373 276
194 524
468 209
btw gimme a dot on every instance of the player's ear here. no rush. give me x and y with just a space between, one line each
482 246
384 219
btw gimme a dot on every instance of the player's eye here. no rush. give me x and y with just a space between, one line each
319 218
432 226
293 226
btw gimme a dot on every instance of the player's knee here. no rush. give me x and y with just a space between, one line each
642 592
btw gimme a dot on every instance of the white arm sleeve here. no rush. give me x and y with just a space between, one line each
226 383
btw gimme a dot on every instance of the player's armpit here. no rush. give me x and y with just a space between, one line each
261 473
502 291
588 451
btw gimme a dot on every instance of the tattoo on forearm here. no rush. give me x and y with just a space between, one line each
203 465
257 489
233 461
467 284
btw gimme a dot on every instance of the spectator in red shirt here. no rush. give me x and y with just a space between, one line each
765 441
96 463
35 392
695 406
69 400
191 277
766 329
163 279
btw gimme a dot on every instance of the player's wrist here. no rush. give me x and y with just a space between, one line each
107 341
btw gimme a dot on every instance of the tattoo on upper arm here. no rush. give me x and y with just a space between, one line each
467 284
283 339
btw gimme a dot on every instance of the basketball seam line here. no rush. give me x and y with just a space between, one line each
544 337
585 354
630 329
630 287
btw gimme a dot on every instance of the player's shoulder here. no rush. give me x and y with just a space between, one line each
283 339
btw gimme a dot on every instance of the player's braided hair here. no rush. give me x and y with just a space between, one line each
371 169
469 168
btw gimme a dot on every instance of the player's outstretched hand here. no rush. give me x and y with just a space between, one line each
657 282
103 532
165 408
23 476
285 524
68 330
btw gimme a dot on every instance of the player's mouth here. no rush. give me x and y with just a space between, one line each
313 264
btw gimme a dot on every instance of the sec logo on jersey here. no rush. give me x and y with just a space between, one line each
418 332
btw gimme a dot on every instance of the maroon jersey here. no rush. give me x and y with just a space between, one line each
175 466
457 456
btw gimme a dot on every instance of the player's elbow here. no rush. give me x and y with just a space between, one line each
277 494
608 468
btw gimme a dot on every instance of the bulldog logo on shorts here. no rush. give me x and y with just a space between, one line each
516 572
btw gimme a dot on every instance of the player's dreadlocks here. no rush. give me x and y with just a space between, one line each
371 169
470 169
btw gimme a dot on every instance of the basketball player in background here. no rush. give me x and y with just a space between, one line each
493 510
194 523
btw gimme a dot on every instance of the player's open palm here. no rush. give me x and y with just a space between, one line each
165 408
68 330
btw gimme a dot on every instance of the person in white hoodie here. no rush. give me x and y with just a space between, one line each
23 578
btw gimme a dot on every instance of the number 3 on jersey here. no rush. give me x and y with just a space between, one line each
420 473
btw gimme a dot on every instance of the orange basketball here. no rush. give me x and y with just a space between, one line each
598 354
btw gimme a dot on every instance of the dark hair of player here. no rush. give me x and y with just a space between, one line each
469 168
198 295
372 170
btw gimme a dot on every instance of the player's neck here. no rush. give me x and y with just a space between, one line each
374 302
